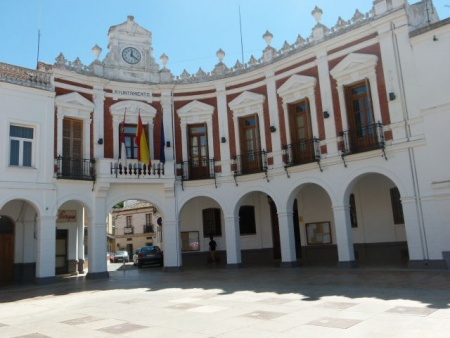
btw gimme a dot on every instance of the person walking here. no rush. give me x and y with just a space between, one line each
212 249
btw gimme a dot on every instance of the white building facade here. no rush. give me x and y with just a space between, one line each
331 150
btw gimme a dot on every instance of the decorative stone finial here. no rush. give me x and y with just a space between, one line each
220 55
97 51
164 59
317 14
130 18
268 37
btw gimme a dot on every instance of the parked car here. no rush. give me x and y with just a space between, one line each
150 255
135 256
119 256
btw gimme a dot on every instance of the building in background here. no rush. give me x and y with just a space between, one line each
135 226
331 150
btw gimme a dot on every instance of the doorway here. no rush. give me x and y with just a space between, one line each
275 230
61 262
6 250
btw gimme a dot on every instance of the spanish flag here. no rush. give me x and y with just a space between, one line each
142 145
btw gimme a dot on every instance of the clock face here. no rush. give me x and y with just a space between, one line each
131 55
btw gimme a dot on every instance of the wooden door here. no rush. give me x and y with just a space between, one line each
198 151
6 250
251 159
301 134
61 262
360 116
72 147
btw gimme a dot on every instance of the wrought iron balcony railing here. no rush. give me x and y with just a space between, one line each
363 138
148 228
199 169
302 152
251 163
75 168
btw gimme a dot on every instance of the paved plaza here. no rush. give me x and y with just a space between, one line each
219 302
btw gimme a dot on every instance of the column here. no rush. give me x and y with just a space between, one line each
415 233
99 99
45 247
167 107
222 113
233 242
274 118
287 239
171 232
59 132
97 264
344 236
327 102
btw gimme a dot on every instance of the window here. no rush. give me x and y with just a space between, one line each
302 147
247 224
21 146
211 223
353 218
129 221
198 151
397 209
128 133
251 157
148 219
359 106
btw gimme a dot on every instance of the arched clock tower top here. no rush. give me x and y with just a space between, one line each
130 53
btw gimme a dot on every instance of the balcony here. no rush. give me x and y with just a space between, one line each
198 169
362 139
302 152
251 163
75 168
129 230
148 228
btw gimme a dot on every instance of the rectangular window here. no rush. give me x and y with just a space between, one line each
211 223
397 209
21 146
148 219
129 221
127 133
247 223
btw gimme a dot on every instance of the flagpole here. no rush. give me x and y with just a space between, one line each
240 29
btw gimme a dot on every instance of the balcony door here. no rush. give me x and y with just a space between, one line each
251 159
301 133
360 115
72 163
198 151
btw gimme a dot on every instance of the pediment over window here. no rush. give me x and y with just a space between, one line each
196 109
132 109
75 101
297 86
354 63
246 99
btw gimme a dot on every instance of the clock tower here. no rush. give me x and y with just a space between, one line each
130 54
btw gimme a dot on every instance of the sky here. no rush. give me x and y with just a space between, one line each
189 32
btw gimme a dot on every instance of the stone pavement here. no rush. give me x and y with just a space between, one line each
249 302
